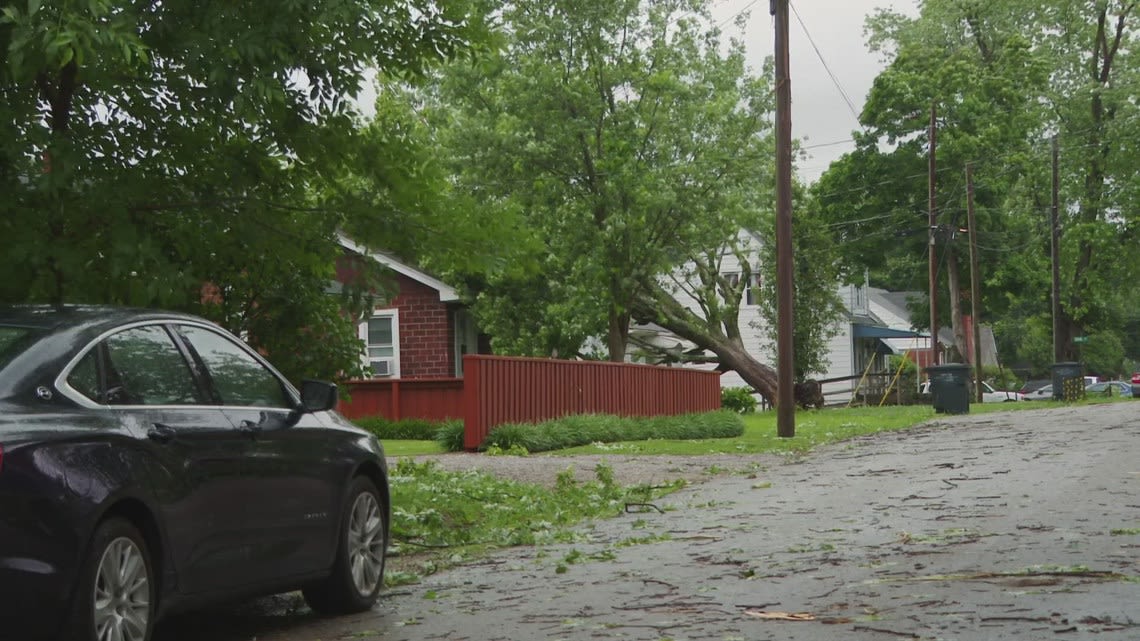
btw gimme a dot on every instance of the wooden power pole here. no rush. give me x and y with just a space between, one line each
1055 256
932 214
785 352
975 281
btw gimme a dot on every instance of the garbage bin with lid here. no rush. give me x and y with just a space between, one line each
1068 382
950 388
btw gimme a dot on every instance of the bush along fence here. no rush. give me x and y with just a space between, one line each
584 429
499 390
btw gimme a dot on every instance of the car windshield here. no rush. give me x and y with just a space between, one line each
14 340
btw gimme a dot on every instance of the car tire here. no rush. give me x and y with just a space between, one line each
116 589
358 570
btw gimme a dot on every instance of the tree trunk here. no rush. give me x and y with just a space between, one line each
954 276
59 92
760 377
659 307
618 336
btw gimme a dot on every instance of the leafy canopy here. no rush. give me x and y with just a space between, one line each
624 137
150 149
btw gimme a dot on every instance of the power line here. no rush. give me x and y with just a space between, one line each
733 16
826 67
828 144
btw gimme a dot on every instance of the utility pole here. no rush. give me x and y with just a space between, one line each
1055 255
932 214
785 352
975 281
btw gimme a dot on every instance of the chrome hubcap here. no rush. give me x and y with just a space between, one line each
366 543
122 593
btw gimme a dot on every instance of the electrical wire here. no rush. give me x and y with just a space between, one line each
826 67
734 16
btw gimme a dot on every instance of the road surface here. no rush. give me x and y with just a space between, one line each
1014 525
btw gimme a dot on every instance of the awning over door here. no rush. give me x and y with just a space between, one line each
875 331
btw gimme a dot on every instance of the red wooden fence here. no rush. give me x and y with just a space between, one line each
430 398
500 389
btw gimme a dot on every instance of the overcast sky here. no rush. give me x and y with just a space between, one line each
820 115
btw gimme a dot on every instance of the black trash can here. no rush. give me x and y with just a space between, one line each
950 388
1068 382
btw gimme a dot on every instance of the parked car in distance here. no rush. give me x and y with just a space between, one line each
989 394
1109 388
1033 385
1136 378
1043 393
152 462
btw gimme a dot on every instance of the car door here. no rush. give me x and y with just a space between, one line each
195 460
294 479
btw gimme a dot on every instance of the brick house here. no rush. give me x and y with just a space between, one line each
423 331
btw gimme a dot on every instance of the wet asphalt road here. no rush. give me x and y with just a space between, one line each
1022 525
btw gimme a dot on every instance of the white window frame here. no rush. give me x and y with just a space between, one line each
394 361
461 319
750 295
752 291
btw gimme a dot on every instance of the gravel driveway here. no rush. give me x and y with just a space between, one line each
1020 525
628 470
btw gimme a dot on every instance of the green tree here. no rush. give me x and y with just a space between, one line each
626 135
817 310
1005 77
981 81
148 149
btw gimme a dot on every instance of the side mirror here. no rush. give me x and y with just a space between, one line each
317 396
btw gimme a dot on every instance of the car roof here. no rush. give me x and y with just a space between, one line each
61 330
60 317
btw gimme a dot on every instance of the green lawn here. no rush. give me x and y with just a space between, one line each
411 448
813 428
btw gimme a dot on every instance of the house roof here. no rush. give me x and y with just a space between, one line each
894 303
447 293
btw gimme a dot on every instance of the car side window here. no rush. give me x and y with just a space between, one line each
84 377
238 378
144 367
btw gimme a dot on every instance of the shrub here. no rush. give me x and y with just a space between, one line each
583 429
907 381
450 436
405 429
738 399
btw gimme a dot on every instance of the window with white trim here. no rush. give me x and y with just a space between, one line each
381 336
752 291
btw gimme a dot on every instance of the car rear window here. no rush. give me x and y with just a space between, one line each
14 340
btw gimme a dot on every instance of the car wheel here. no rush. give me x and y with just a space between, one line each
114 599
358 571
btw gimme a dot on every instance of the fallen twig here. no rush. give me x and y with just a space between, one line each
646 506
909 635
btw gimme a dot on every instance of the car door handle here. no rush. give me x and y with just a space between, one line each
249 428
161 433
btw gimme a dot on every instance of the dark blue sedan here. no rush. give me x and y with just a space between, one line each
152 462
